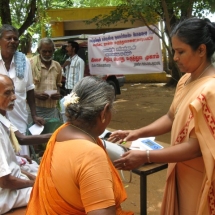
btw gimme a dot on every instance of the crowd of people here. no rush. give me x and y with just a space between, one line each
35 90
91 184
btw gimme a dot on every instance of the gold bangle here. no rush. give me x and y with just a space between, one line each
148 156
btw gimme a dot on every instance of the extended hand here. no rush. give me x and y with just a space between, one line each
38 120
66 63
29 175
47 135
131 160
121 136
27 158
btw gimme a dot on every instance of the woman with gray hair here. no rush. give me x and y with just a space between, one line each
76 176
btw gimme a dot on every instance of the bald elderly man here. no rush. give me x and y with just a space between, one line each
15 183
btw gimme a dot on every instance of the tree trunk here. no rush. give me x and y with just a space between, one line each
30 18
25 43
5 12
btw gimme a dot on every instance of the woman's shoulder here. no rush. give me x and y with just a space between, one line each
182 81
89 146
82 145
209 85
184 78
88 151
79 152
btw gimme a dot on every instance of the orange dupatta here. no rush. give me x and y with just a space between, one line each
45 199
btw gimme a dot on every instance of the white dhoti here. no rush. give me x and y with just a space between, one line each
16 199
25 150
29 167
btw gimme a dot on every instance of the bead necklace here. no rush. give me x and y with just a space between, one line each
84 132
189 88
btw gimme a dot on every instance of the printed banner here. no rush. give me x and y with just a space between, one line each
131 51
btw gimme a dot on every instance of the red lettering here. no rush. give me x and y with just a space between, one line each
95 59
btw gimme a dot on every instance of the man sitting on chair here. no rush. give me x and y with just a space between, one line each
15 183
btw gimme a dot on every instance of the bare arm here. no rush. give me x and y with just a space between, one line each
57 96
33 139
11 182
31 103
158 127
66 63
28 174
178 153
106 211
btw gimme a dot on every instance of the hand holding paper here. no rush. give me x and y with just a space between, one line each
36 129
50 92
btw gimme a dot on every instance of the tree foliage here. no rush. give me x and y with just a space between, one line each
28 16
168 12
96 3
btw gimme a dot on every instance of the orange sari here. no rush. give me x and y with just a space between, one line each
190 187
45 199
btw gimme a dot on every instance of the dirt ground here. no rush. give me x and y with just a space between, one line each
138 105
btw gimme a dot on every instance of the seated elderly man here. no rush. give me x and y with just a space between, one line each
24 161
15 184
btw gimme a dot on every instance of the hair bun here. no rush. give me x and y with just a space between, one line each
207 20
211 28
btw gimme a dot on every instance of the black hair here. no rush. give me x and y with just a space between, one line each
6 27
194 32
74 45
63 47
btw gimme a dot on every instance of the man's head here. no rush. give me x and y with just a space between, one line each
7 93
72 48
9 39
46 49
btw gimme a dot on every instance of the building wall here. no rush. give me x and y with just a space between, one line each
68 22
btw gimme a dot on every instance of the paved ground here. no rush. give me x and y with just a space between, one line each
138 105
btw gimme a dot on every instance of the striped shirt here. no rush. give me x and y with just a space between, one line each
74 72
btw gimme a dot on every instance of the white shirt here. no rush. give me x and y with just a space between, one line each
74 72
19 115
8 165
22 162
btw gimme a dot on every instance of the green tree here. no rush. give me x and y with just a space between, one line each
96 3
28 16
151 11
